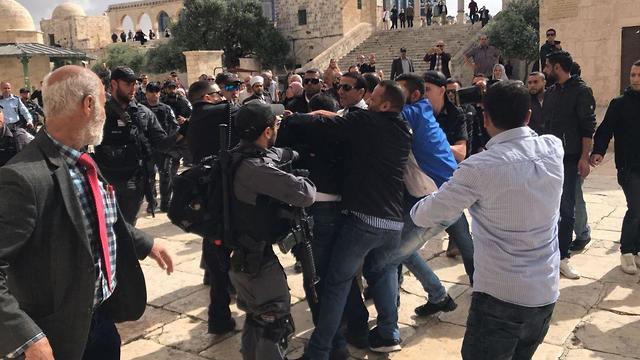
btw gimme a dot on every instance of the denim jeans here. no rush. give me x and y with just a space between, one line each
326 224
355 241
581 226
428 279
567 205
630 237
461 236
498 330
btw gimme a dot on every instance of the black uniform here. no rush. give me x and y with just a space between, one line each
125 154
167 162
11 142
36 111
181 107
259 189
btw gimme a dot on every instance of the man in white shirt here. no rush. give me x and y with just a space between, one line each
512 191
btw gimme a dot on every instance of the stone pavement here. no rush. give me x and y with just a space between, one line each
597 317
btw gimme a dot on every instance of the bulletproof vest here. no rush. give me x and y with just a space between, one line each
261 222
8 149
162 114
120 153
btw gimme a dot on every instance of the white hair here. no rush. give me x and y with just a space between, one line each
63 97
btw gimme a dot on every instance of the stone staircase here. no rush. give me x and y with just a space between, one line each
386 45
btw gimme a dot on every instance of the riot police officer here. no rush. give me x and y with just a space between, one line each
34 109
182 109
131 134
167 162
11 141
259 189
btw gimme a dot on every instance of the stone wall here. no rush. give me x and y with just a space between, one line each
591 31
11 71
339 49
81 32
20 36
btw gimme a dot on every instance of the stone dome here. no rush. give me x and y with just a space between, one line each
14 16
67 10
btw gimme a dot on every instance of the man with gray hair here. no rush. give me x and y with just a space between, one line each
59 219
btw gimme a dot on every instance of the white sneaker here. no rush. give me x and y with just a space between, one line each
628 264
567 271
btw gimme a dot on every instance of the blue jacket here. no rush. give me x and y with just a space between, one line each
430 146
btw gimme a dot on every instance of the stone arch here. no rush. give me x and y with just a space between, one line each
126 23
145 22
163 20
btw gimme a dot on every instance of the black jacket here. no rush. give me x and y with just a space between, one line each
396 68
376 148
536 123
203 137
47 270
568 112
445 59
266 95
299 104
622 121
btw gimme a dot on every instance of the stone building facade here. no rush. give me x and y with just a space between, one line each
602 36
70 27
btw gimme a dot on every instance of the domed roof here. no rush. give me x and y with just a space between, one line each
14 16
66 10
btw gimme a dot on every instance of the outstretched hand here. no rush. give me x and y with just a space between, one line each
160 254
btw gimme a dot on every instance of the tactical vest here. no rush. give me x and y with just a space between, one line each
8 149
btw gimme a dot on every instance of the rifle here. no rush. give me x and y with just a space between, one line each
225 163
299 242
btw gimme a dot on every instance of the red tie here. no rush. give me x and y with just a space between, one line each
86 161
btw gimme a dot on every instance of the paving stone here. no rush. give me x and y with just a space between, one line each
152 319
163 289
442 341
181 251
406 333
582 354
411 285
606 235
548 352
406 312
623 298
610 223
605 269
229 349
611 333
197 305
564 320
150 350
603 248
302 319
620 211
434 246
186 334
448 269
460 314
584 291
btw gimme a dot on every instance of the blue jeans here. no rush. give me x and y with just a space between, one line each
581 225
498 330
459 233
427 278
326 224
355 241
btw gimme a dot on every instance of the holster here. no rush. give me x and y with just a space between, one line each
247 255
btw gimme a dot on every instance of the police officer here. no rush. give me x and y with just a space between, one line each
14 109
34 109
11 141
168 162
182 109
131 134
260 188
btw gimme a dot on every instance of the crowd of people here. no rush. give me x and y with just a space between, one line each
429 12
139 36
381 166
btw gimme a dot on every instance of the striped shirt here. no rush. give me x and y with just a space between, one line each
512 191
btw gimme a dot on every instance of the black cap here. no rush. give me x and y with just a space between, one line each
435 77
403 50
170 83
153 87
254 117
24 90
227 78
123 73
173 73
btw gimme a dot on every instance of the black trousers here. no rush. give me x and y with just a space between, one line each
129 194
410 21
630 237
167 167
498 330
568 205
104 340
216 259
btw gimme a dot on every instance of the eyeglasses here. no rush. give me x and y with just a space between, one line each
232 87
311 81
346 87
440 45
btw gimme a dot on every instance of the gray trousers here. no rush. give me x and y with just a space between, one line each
266 300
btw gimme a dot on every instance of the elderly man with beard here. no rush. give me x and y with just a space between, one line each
68 259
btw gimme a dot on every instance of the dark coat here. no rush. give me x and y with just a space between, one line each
47 274
203 136
446 58
396 67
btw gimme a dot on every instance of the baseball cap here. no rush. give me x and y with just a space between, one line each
227 78
170 84
153 87
403 50
123 73
435 77
255 116
24 90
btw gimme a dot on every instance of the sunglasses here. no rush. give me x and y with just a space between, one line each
346 87
232 87
440 46
311 81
